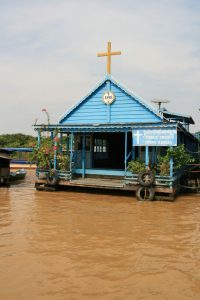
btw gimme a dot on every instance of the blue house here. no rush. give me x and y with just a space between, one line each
105 125
111 126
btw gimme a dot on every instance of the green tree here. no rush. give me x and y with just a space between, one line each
17 140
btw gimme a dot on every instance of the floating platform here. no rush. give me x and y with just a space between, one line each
164 188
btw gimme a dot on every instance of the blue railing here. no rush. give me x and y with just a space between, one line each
43 174
160 180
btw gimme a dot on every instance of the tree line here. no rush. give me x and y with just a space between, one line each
17 140
20 140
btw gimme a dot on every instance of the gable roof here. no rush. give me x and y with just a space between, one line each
110 79
177 117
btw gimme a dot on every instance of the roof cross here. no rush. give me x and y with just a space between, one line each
109 53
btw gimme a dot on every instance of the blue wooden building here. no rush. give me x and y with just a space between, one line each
111 126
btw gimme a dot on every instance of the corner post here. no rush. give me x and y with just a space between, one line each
147 156
83 156
71 150
39 138
171 165
55 153
125 152
60 142
52 134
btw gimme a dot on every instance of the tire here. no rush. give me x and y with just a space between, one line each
146 178
145 193
49 188
53 179
42 175
39 187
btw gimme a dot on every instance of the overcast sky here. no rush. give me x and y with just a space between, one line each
48 55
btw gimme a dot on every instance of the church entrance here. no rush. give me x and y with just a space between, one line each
102 151
108 151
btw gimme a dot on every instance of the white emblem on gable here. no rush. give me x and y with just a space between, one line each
108 97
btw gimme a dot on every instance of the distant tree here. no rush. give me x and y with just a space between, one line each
17 140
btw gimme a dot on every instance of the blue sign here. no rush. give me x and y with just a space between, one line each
155 137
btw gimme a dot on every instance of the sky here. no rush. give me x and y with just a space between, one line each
48 55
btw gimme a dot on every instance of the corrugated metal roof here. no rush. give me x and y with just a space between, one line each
104 127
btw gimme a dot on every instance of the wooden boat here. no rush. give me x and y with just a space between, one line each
18 175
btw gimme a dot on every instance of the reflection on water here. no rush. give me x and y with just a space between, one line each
67 245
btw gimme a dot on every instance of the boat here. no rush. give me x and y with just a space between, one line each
18 175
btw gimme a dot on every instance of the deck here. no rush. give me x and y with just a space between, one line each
107 184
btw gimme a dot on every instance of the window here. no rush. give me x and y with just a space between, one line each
100 148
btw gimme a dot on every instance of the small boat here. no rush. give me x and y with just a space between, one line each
17 175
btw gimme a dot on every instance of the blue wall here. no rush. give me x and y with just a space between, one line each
124 109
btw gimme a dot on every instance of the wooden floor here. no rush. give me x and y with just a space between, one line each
101 183
95 183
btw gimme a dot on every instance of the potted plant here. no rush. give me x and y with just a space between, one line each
43 156
180 159
136 166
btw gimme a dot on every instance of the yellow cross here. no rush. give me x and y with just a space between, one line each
109 54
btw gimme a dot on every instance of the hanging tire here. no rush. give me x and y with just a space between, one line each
145 193
39 187
53 178
146 178
49 188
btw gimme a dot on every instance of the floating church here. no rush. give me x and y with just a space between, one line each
105 131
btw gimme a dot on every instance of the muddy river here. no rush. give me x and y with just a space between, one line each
78 245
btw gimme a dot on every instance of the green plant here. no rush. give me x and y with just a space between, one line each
63 162
180 159
43 156
136 166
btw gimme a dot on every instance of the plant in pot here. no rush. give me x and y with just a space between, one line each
180 159
43 156
136 166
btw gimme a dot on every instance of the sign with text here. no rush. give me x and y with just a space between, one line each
155 137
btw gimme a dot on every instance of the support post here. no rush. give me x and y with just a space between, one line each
147 156
52 135
133 152
171 165
125 152
133 147
39 139
67 144
71 150
60 142
91 150
55 155
153 154
55 152
83 156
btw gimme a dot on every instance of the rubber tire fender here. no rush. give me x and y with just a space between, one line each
146 178
141 190
53 179
50 188
39 187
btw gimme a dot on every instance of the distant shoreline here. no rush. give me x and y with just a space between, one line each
22 166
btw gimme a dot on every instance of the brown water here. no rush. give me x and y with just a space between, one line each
66 245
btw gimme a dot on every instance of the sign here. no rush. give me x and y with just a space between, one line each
155 137
108 97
